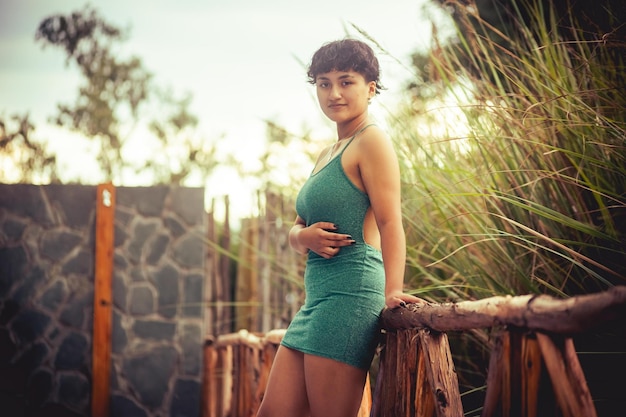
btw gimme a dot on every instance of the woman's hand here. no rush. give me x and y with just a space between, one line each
322 239
400 299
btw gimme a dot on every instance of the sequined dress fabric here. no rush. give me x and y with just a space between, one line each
345 294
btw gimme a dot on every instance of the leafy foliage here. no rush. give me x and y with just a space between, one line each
110 110
21 157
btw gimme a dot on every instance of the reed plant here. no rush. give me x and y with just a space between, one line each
526 191
514 170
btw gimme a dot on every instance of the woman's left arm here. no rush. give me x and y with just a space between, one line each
380 173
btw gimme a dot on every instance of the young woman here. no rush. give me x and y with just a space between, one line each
350 224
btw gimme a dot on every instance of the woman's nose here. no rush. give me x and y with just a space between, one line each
334 92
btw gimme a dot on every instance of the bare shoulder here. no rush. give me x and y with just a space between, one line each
374 139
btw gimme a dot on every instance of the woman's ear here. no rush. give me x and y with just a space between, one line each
372 89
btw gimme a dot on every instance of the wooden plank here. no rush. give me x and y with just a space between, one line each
497 389
209 381
568 381
441 375
577 377
533 312
531 375
424 401
101 350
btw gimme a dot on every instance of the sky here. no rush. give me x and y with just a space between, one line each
242 61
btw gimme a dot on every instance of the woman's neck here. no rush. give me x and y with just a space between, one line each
350 128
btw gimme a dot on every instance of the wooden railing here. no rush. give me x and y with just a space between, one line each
416 375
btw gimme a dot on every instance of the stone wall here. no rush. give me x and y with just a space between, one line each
47 245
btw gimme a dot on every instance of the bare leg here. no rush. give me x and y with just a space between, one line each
334 389
285 394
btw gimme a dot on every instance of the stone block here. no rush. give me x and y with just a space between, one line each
190 251
54 296
154 330
72 353
124 407
119 291
34 278
13 229
193 290
166 284
191 345
119 261
185 399
82 263
26 200
73 315
142 300
148 201
188 203
76 203
57 244
120 235
174 226
73 390
138 274
157 248
119 338
149 374
29 325
13 263
142 232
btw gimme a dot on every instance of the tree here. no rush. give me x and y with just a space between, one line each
598 22
21 157
114 91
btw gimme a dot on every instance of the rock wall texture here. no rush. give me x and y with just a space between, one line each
47 241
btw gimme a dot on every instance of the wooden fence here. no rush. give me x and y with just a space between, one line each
416 377
265 290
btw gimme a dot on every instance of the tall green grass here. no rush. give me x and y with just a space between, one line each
528 193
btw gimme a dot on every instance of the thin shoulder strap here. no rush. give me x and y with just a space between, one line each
355 135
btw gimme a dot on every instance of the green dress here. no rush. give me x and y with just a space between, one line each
345 294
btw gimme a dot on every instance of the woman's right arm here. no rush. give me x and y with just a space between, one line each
294 235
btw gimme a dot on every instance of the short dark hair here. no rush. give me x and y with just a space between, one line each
346 55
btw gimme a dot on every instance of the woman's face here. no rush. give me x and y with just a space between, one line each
343 95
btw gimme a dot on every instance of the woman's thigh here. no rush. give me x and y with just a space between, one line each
285 394
334 389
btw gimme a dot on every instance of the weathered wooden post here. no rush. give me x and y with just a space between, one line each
534 335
